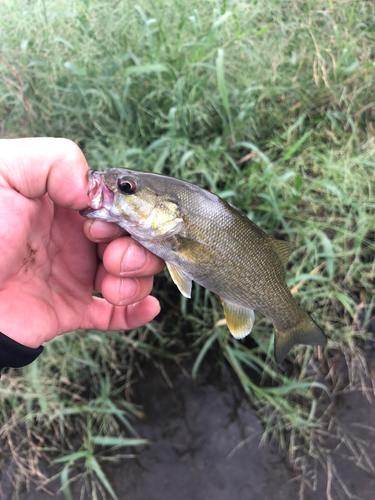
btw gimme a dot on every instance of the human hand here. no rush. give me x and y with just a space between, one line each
52 259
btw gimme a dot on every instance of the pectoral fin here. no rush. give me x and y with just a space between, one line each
180 279
191 249
240 320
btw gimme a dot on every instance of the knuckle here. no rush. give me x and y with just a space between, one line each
69 149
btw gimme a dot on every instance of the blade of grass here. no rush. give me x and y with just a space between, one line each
65 482
206 346
118 441
223 89
102 477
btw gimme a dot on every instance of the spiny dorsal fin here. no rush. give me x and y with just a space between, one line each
180 279
283 249
240 320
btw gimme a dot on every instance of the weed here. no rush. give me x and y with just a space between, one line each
268 104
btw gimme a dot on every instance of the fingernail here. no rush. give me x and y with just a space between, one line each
133 259
128 289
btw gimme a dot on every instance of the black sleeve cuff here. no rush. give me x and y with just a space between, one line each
15 355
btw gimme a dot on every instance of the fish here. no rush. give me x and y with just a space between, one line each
204 239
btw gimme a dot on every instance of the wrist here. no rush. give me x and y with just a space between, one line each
20 338
14 354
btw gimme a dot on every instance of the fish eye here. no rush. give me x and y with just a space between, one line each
126 186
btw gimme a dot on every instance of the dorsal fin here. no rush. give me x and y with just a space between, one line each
283 249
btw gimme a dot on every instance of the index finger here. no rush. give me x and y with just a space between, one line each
100 231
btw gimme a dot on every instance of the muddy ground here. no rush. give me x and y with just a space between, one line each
206 446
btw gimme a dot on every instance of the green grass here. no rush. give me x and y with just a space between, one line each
269 104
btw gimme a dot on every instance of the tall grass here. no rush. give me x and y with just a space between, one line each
269 104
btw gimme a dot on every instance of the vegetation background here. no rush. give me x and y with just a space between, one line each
269 104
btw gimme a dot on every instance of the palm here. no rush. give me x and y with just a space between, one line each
47 264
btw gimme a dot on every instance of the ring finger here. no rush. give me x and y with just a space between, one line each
124 291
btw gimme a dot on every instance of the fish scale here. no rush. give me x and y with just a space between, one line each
204 239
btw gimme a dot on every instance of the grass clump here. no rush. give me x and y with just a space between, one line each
268 104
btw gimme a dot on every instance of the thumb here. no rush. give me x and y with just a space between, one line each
36 166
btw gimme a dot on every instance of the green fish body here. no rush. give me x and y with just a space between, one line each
204 239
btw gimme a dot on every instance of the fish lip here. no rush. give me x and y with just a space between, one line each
87 212
100 196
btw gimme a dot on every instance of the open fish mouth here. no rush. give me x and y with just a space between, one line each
100 197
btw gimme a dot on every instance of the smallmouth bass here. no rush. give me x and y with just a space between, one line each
203 238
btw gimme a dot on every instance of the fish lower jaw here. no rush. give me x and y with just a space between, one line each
101 214
100 196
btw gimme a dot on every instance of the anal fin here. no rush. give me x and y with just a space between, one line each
240 319
180 279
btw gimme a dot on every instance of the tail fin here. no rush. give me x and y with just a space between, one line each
305 332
